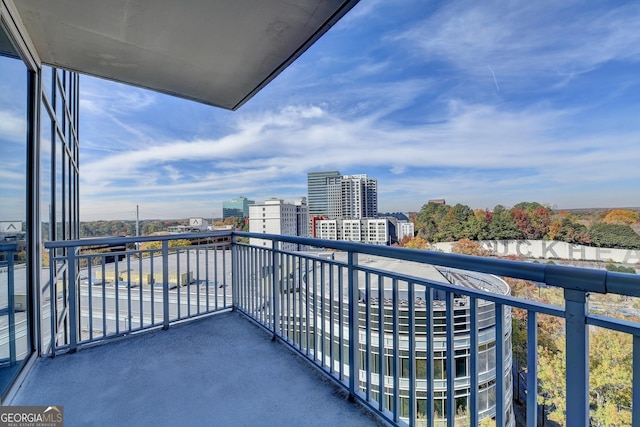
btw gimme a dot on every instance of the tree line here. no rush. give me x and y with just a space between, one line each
527 220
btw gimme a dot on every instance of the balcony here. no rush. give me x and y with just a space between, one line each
378 323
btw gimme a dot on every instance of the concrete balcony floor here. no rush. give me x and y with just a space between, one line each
218 371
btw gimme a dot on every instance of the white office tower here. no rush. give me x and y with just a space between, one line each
276 216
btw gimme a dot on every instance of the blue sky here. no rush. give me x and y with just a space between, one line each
480 103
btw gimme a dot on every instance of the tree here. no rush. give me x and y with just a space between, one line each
428 220
565 229
502 225
610 382
469 247
621 216
414 242
552 383
614 236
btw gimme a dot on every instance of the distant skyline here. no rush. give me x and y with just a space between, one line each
480 103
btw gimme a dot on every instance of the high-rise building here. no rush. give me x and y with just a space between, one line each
332 195
238 207
359 196
321 188
276 216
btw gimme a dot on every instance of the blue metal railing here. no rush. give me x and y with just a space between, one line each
100 293
383 330
9 249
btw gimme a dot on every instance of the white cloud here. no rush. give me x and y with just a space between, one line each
13 127
523 38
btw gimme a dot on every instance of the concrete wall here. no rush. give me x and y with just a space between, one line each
545 249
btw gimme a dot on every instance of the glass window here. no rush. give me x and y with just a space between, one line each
15 345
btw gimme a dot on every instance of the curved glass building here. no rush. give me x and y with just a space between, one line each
430 343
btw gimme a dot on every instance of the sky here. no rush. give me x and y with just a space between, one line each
479 103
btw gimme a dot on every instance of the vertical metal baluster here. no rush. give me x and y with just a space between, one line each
532 369
141 324
331 319
165 284
499 315
354 365
381 326
274 288
73 295
53 301
207 276
104 297
90 293
341 306
314 308
301 261
295 280
367 344
451 366
412 352
473 361
129 315
197 279
235 275
430 354
178 284
396 350
306 307
117 293
322 312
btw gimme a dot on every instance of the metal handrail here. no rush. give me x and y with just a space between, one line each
292 316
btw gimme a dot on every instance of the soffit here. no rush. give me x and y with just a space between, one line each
216 52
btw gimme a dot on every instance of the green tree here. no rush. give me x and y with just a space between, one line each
428 219
565 229
502 225
614 236
610 382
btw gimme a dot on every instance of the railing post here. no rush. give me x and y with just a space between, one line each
577 358
354 347
53 302
275 288
234 274
73 300
10 250
165 284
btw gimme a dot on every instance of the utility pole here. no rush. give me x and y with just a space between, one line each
137 220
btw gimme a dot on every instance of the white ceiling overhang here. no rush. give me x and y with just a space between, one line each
216 52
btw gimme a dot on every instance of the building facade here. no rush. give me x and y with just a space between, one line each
238 208
404 229
359 197
432 350
39 191
275 216
321 187
376 231
336 196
